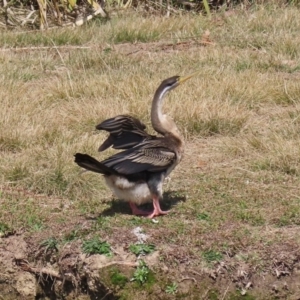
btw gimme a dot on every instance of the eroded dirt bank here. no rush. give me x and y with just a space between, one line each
28 273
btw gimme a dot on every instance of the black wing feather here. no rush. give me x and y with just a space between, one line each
120 122
124 132
148 156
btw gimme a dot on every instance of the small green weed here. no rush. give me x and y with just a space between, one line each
4 229
35 223
133 36
254 219
138 221
172 288
101 223
118 278
212 256
141 274
57 179
50 244
73 235
141 249
95 246
203 216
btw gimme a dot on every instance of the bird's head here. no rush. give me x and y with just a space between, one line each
173 82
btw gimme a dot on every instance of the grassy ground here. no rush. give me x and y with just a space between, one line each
234 199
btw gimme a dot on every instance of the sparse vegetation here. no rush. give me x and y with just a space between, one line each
212 256
141 249
95 246
234 199
50 244
117 278
134 36
203 216
4 229
71 236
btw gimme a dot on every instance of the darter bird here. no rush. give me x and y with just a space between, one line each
137 173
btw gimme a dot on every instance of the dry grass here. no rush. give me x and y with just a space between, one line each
240 116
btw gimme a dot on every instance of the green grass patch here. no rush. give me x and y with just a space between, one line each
215 126
203 216
211 256
50 244
52 38
95 246
10 144
117 278
35 223
252 218
4 229
141 249
17 173
134 36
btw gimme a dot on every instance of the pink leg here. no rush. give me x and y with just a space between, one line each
157 210
136 211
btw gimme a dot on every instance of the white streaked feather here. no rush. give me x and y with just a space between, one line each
137 192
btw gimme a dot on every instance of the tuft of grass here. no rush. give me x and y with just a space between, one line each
203 216
4 229
57 38
95 246
117 278
17 173
211 256
138 221
216 125
101 223
58 180
255 219
290 216
73 235
10 144
50 244
134 36
34 222
284 164
141 249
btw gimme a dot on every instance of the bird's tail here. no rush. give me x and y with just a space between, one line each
89 163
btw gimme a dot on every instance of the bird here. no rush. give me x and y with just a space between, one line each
137 173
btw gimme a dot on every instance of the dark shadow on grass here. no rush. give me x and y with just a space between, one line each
170 199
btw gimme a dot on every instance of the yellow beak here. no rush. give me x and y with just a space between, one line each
183 79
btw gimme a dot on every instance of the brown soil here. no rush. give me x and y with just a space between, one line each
30 272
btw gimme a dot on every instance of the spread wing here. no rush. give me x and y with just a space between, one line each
124 132
151 155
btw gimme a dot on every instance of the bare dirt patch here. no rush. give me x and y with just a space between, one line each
70 274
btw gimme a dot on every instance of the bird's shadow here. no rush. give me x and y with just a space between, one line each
170 199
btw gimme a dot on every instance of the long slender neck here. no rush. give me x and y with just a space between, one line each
161 122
